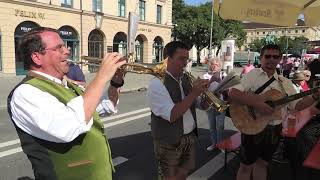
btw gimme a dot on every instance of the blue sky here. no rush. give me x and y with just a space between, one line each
195 2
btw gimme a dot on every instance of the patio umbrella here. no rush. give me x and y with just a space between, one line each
276 12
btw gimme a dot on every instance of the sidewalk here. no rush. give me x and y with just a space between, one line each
133 82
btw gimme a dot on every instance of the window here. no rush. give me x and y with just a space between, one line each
296 31
303 31
159 14
97 5
66 3
142 10
258 33
122 8
263 32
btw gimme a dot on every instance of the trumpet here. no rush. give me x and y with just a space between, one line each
211 99
157 70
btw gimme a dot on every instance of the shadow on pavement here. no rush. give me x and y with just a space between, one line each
138 148
24 178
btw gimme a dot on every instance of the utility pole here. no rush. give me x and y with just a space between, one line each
210 44
81 33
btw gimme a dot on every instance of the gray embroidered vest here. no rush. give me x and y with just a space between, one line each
162 129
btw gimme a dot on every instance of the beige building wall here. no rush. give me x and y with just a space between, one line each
312 33
41 12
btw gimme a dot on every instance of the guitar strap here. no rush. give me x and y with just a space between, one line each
260 89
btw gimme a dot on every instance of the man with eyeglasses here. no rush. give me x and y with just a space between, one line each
57 123
256 150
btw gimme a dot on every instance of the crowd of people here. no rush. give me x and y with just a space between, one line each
57 117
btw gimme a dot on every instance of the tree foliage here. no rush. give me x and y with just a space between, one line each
295 45
192 26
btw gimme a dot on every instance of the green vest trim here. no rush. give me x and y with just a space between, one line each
89 156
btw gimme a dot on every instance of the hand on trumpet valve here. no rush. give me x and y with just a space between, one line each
110 64
200 86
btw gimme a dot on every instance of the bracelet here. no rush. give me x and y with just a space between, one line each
116 85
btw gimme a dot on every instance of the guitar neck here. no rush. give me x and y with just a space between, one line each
288 99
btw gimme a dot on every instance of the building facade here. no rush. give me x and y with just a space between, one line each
88 27
259 31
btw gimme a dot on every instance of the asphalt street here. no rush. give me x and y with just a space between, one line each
132 149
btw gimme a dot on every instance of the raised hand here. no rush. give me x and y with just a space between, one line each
200 86
110 64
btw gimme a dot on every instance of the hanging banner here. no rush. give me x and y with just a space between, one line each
132 32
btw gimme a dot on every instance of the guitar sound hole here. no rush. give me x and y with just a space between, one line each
252 114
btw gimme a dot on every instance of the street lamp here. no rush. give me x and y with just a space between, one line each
98 16
211 25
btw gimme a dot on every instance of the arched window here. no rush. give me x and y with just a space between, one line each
20 30
71 40
96 44
120 43
139 49
157 51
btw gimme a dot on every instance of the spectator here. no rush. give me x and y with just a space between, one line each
307 75
247 68
314 68
296 64
75 74
297 81
216 119
286 67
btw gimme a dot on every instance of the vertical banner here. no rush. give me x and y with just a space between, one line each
227 53
132 31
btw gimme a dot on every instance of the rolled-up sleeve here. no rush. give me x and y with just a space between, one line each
42 115
159 99
106 107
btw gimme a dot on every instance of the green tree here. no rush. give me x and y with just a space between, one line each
193 27
257 44
295 45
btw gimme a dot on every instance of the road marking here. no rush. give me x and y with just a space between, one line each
121 121
10 152
126 120
17 141
116 161
9 143
210 168
124 114
119 160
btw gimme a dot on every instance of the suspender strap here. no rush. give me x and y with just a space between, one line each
260 89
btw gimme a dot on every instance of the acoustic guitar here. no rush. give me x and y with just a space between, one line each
251 122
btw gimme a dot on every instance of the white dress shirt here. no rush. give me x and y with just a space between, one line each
42 115
257 77
161 103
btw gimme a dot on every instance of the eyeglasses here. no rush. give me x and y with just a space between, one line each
58 47
268 56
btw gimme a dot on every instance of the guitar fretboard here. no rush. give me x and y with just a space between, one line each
288 99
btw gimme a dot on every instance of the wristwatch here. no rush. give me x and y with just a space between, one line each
115 84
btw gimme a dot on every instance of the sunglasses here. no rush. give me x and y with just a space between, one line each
268 56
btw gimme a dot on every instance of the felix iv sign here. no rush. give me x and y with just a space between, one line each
29 14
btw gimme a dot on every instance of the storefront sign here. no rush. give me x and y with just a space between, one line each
144 30
29 14
66 33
